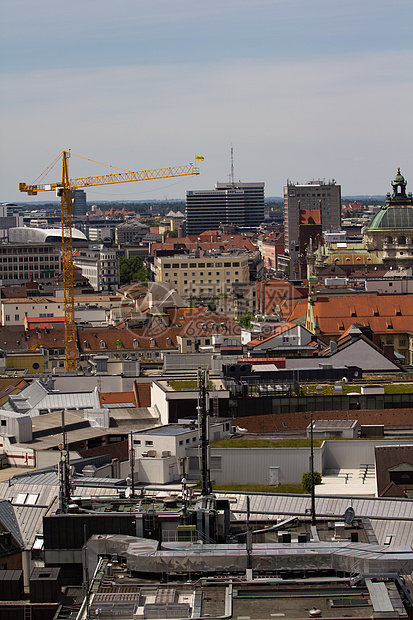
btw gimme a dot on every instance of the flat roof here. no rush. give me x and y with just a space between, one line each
167 430
333 424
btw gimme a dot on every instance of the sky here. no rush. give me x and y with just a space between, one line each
301 89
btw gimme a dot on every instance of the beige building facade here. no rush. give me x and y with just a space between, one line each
203 276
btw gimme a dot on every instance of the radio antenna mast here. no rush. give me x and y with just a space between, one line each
231 176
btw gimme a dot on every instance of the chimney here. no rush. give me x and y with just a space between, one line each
388 349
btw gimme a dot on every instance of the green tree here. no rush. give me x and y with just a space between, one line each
132 269
306 481
245 320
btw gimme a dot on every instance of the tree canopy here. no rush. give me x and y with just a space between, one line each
132 270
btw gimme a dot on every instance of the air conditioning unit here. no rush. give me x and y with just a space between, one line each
166 453
144 454
151 453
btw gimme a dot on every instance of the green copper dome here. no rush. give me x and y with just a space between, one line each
392 217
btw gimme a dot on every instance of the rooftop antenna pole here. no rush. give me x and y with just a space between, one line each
64 470
312 471
231 176
132 465
203 424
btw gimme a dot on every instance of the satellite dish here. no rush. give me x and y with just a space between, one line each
349 515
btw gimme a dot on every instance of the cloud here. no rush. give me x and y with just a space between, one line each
296 119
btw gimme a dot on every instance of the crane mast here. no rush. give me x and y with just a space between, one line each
63 189
67 266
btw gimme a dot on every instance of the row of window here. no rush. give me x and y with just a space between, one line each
149 442
29 259
200 265
38 250
36 275
201 273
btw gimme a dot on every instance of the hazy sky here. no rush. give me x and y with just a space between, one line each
302 89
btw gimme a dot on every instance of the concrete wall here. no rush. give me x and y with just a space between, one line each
163 470
352 454
158 400
249 466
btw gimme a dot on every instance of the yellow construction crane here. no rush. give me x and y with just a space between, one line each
63 189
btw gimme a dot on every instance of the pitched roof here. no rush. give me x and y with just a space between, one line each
281 329
13 338
387 457
49 338
89 338
209 240
207 323
382 313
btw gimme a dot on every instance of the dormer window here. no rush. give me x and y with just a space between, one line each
86 344
168 342
135 343
152 342
102 344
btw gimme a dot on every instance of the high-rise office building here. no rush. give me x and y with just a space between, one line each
320 197
79 206
238 204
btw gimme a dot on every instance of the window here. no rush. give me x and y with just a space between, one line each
17 317
102 344
136 442
148 443
27 499
216 463
4 423
152 342
7 317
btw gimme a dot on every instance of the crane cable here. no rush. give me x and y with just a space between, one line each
49 167
99 162
58 158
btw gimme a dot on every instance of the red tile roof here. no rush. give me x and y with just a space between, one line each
110 398
205 241
382 313
284 422
207 323
158 337
142 394
49 338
